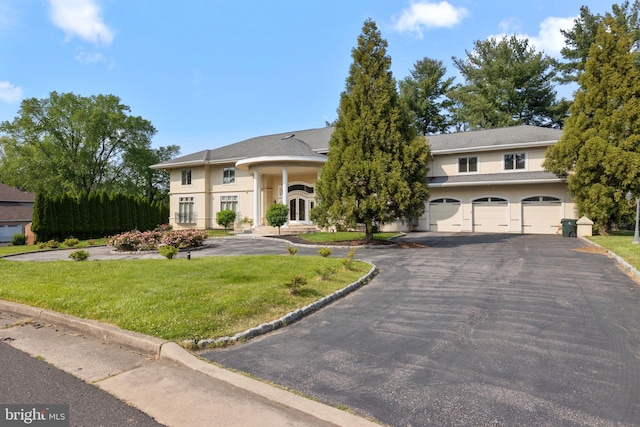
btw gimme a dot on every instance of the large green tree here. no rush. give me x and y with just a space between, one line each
70 144
582 35
377 166
140 179
507 83
425 92
600 147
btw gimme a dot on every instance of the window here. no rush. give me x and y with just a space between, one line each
515 161
467 164
186 211
229 176
229 203
186 177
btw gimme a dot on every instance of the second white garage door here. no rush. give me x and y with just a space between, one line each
541 215
491 215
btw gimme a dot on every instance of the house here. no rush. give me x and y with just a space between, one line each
16 211
480 181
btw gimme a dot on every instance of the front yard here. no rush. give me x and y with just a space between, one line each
620 242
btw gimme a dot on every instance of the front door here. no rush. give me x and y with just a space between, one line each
299 208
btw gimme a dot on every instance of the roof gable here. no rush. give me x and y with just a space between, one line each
10 194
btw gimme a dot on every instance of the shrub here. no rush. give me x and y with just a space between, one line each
168 251
18 239
324 252
295 284
150 240
52 244
292 250
71 242
79 255
225 218
347 262
277 215
326 273
91 242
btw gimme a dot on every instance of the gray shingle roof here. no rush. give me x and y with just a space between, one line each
492 138
306 143
502 178
10 194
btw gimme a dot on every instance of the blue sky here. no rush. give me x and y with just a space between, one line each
209 73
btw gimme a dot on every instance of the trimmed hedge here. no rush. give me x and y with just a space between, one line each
94 215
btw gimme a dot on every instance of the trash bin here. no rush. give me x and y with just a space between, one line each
569 227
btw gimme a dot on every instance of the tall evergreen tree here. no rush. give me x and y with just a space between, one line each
425 92
508 83
377 166
600 146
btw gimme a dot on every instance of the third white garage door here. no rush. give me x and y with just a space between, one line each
491 215
541 215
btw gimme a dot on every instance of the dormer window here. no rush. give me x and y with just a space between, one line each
517 161
467 164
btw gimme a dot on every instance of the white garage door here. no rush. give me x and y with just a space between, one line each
541 215
7 231
445 215
490 215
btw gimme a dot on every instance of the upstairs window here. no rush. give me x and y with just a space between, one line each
229 176
186 177
467 164
516 161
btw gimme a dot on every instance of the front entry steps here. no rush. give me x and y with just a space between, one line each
285 230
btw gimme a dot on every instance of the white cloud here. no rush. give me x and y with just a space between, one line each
81 18
10 93
549 38
425 14
90 58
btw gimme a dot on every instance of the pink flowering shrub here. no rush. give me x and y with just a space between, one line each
150 240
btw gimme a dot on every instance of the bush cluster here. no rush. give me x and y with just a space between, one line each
18 239
151 240
79 255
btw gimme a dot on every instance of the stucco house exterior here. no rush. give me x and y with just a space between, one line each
480 181
16 211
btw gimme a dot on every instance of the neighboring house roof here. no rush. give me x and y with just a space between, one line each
493 139
10 194
494 179
15 205
305 143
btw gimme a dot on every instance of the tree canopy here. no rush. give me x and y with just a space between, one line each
582 35
508 83
377 166
600 146
425 92
71 144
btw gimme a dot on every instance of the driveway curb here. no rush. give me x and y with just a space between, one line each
631 269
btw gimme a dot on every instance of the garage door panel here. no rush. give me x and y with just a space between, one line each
491 215
541 217
7 231
445 215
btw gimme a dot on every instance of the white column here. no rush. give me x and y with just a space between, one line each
285 191
256 199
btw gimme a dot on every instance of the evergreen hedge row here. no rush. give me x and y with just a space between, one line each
94 215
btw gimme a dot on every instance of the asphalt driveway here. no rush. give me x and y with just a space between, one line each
472 330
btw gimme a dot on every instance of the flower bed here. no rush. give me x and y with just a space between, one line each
150 240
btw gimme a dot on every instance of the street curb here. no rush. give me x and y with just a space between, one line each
135 341
174 353
631 269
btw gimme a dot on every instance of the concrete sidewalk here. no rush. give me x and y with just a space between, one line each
158 377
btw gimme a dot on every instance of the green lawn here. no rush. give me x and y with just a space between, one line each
12 250
620 242
175 299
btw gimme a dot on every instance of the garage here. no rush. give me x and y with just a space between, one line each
7 231
445 215
541 215
490 215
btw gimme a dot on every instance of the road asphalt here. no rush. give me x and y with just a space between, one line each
170 384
